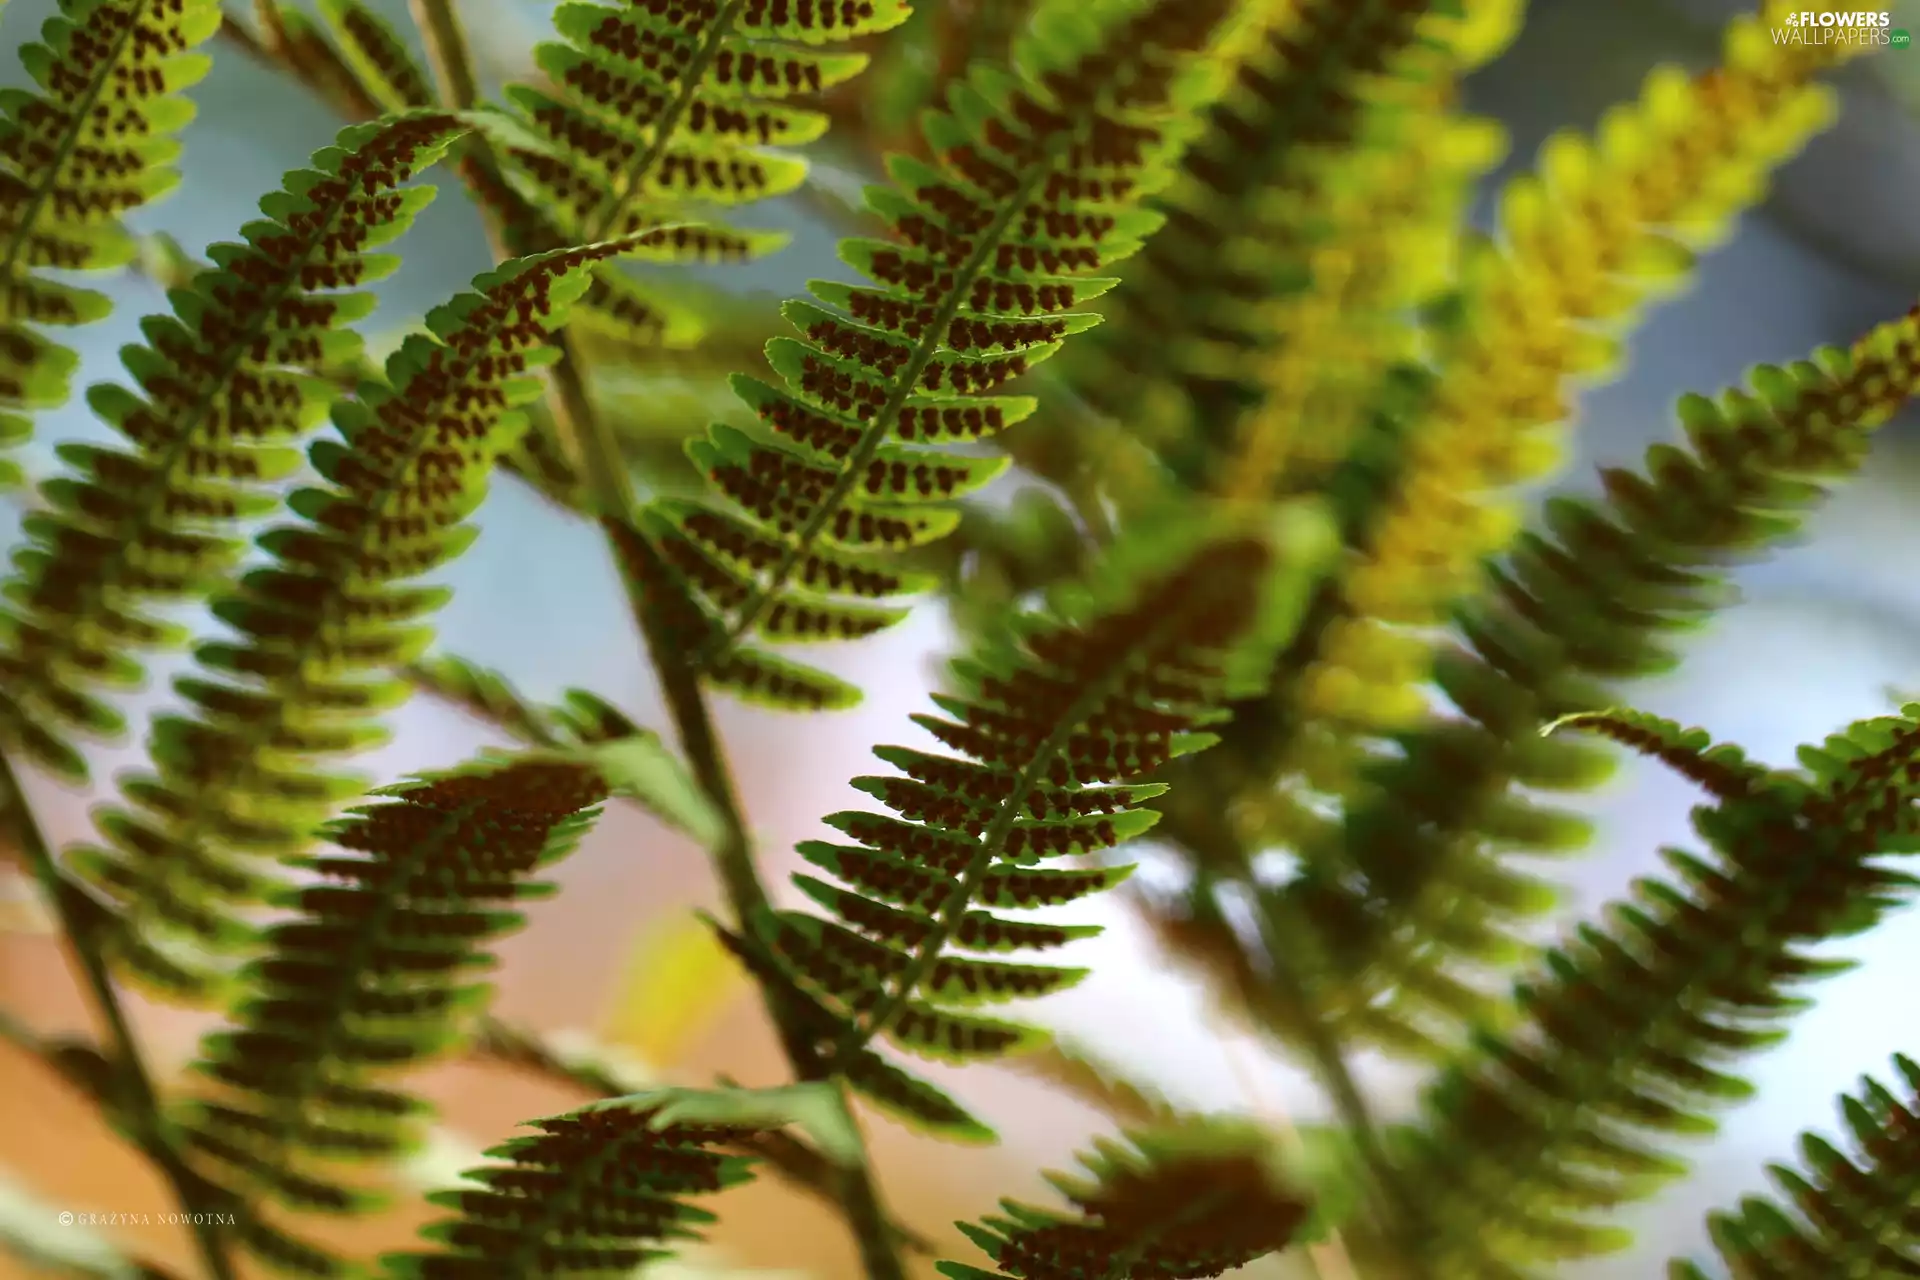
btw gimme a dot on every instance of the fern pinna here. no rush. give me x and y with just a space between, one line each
1596 596
374 973
225 396
95 142
321 628
1054 721
994 248
1842 1217
1176 1203
1630 1030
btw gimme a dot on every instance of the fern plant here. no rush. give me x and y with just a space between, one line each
1200 269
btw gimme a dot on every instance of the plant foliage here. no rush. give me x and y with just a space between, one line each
1267 598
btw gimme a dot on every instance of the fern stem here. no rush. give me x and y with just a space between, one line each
1401 1216
446 47
148 1124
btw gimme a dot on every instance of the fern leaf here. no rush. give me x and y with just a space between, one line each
1598 595
601 1189
1539 1133
666 104
652 110
1335 137
223 399
1119 677
1174 1204
374 970
95 143
1598 230
993 249
323 625
1842 1216
380 59
1723 770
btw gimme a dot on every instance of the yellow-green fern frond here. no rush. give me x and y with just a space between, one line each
1585 242
372 975
223 395
1335 139
1054 723
1035 190
602 1190
1626 1036
94 143
1174 1204
321 629
1842 1216
1600 594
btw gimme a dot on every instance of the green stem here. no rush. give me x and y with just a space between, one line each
151 1130
1401 1215
446 46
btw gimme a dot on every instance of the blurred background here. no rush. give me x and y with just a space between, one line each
1825 631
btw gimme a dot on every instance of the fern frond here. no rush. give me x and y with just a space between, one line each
371 976
223 395
1170 1204
1842 1216
1335 138
322 627
654 109
93 144
1627 1035
601 1189
1052 723
1600 229
377 55
1599 595
1036 190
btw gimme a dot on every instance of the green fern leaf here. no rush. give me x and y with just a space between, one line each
1842 1216
993 248
92 145
1538 1133
1117 678
1598 595
323 626
601 1189
373 973
224 398
381 60
1178 1203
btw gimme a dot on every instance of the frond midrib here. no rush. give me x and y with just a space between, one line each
853 467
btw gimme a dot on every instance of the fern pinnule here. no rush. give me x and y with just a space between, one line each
1836 1214
321 629
1597 596
1054 724
224 393
95 143
372 975
1627 1034
1176 1202
1036 189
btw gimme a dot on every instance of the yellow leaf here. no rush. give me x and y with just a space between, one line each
678 981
